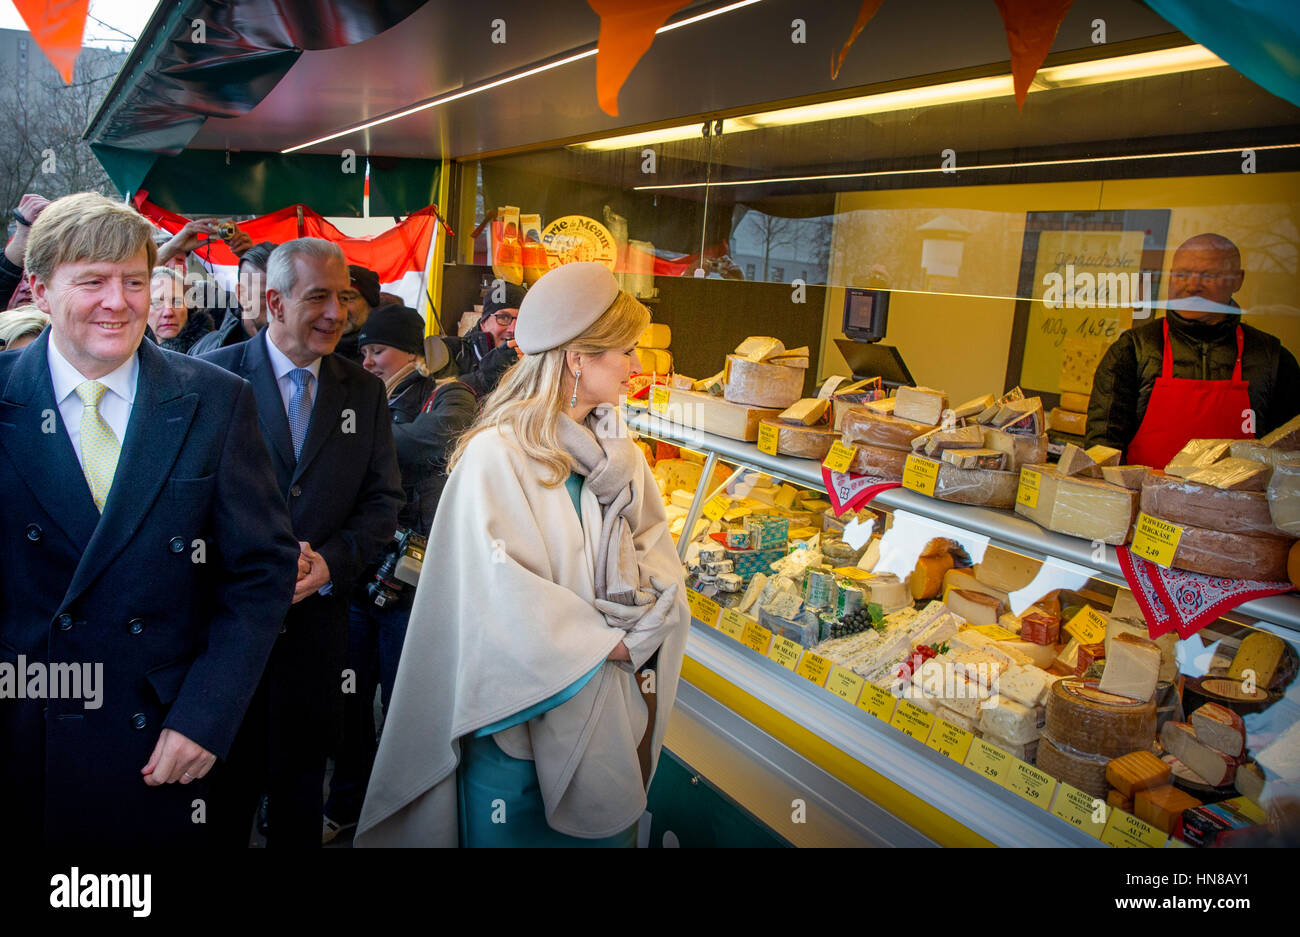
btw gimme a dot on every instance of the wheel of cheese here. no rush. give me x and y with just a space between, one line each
804 442
879 461
1184 502
762 385
1095 723
1197 691
866 427
1231 556
987 487
1084 771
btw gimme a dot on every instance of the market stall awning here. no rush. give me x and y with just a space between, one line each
268 79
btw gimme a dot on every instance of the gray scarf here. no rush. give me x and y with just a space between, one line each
603 453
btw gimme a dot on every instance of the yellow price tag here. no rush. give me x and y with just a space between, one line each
1033 785
1080 809
1155 540
1125 831
950 741
988 761
1027 490
717 506
814 667
996 632
732 623
840 457
912 721
1089 626
877 701
659 399
767 437
785 652
920 474
756 636
702 607
845 684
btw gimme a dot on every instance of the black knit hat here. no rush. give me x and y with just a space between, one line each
399 327
498 299
367 283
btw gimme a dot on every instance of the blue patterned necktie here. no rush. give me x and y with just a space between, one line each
299 408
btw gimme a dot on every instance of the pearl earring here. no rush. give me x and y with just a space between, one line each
573 401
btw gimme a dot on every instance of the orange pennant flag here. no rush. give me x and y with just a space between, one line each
868 10
1031 28
57 27
627 28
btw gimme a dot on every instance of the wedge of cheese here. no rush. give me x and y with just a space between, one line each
1132 668
1081 507
1020 450
922 404
807 411
760 347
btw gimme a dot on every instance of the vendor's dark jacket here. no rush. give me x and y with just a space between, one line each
425 428
1128 371
480 365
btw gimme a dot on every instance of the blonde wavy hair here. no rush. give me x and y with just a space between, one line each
530 398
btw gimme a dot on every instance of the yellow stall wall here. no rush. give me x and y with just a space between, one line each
954 332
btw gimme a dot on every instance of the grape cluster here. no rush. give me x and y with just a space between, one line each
852 623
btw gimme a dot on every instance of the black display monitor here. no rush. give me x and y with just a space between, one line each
866 314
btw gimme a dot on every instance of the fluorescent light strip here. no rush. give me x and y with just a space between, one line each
477 89
906 172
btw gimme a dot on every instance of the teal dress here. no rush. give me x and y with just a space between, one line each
499 799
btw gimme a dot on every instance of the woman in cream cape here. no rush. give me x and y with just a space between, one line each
550 609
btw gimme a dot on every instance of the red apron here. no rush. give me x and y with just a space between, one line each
1181 409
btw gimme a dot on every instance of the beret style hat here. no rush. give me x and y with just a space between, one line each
562 305
366 281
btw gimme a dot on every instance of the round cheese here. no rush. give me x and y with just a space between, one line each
804 442
762 385
867 427
1096 723
987 487
1084 771
927 579
879 461
1185 502
1231 556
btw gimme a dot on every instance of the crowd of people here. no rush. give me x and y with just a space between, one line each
238 509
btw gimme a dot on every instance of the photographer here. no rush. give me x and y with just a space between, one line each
428 416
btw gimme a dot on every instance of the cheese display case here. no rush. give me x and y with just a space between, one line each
908 671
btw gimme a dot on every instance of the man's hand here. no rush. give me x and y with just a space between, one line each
186 240
515 345
30 207
304 566
620 654
176 758
239 242
318 573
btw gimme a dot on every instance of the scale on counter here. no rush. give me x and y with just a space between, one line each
866 314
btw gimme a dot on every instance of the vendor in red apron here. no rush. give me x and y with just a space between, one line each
1197 373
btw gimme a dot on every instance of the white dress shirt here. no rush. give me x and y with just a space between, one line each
281 366
115 406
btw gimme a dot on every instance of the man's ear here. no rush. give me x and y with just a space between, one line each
274 305
40 293
1238 276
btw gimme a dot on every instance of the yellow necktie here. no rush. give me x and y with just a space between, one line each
99 444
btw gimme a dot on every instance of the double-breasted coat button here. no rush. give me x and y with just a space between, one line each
138 721
136 625
33 532
296 491
177 544
65 622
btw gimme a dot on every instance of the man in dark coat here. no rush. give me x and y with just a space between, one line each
428 416
487 351
143 548
250 317
327 426
1202 321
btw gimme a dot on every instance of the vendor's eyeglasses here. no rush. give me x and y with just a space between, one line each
504 318
1204 277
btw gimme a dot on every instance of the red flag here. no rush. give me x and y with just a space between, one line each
399 255
627 28
57 26
1031 28
865 12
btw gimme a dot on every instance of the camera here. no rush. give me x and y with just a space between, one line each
399 568
226 229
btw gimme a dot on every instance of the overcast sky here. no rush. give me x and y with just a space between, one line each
127 16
